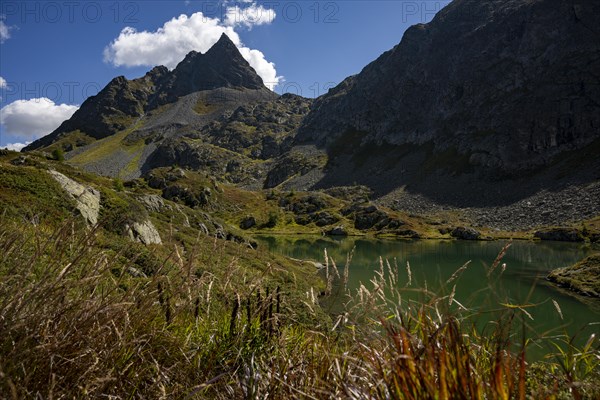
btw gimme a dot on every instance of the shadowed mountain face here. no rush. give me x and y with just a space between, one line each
122 102
497 87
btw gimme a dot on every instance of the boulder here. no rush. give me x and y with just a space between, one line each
87 199
143 232
337 231
583 277
152 202
465 233
248 222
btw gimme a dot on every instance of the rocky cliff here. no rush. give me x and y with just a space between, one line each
503 85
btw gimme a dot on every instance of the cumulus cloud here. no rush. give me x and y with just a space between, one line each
249 16
169 44
34 118
15 146
4 31
2 83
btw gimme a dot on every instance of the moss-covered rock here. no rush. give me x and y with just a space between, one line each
583 277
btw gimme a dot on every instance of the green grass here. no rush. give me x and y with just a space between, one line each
203 108
31 193
104 148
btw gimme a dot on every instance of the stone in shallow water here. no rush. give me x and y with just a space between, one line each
337 231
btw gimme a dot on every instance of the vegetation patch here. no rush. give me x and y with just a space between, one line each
70 141
583 277
204 108
104 148
32 193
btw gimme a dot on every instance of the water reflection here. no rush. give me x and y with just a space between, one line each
433 263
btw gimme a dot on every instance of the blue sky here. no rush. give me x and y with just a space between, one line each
54 54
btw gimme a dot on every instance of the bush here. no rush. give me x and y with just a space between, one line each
58 154
118 185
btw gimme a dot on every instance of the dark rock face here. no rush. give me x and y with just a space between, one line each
293 163
504 84
560 234
121 102
370 217
113 109
260 130
221 66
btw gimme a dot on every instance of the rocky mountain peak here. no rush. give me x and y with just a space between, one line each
224 44
222 66
157 73
122 101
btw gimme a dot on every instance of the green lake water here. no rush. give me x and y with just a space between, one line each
433 262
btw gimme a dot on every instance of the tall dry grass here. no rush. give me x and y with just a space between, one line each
76 321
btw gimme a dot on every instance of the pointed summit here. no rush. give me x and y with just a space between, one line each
221 66
224 51
224 42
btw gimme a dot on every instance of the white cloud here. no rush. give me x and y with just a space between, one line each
2 83
249 16
34 118
15 146
169 44
4 31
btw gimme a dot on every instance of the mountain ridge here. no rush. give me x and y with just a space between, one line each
122 101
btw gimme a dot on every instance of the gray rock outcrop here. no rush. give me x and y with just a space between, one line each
153 203
143 232
87 199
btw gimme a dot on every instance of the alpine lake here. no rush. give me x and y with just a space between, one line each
517 283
